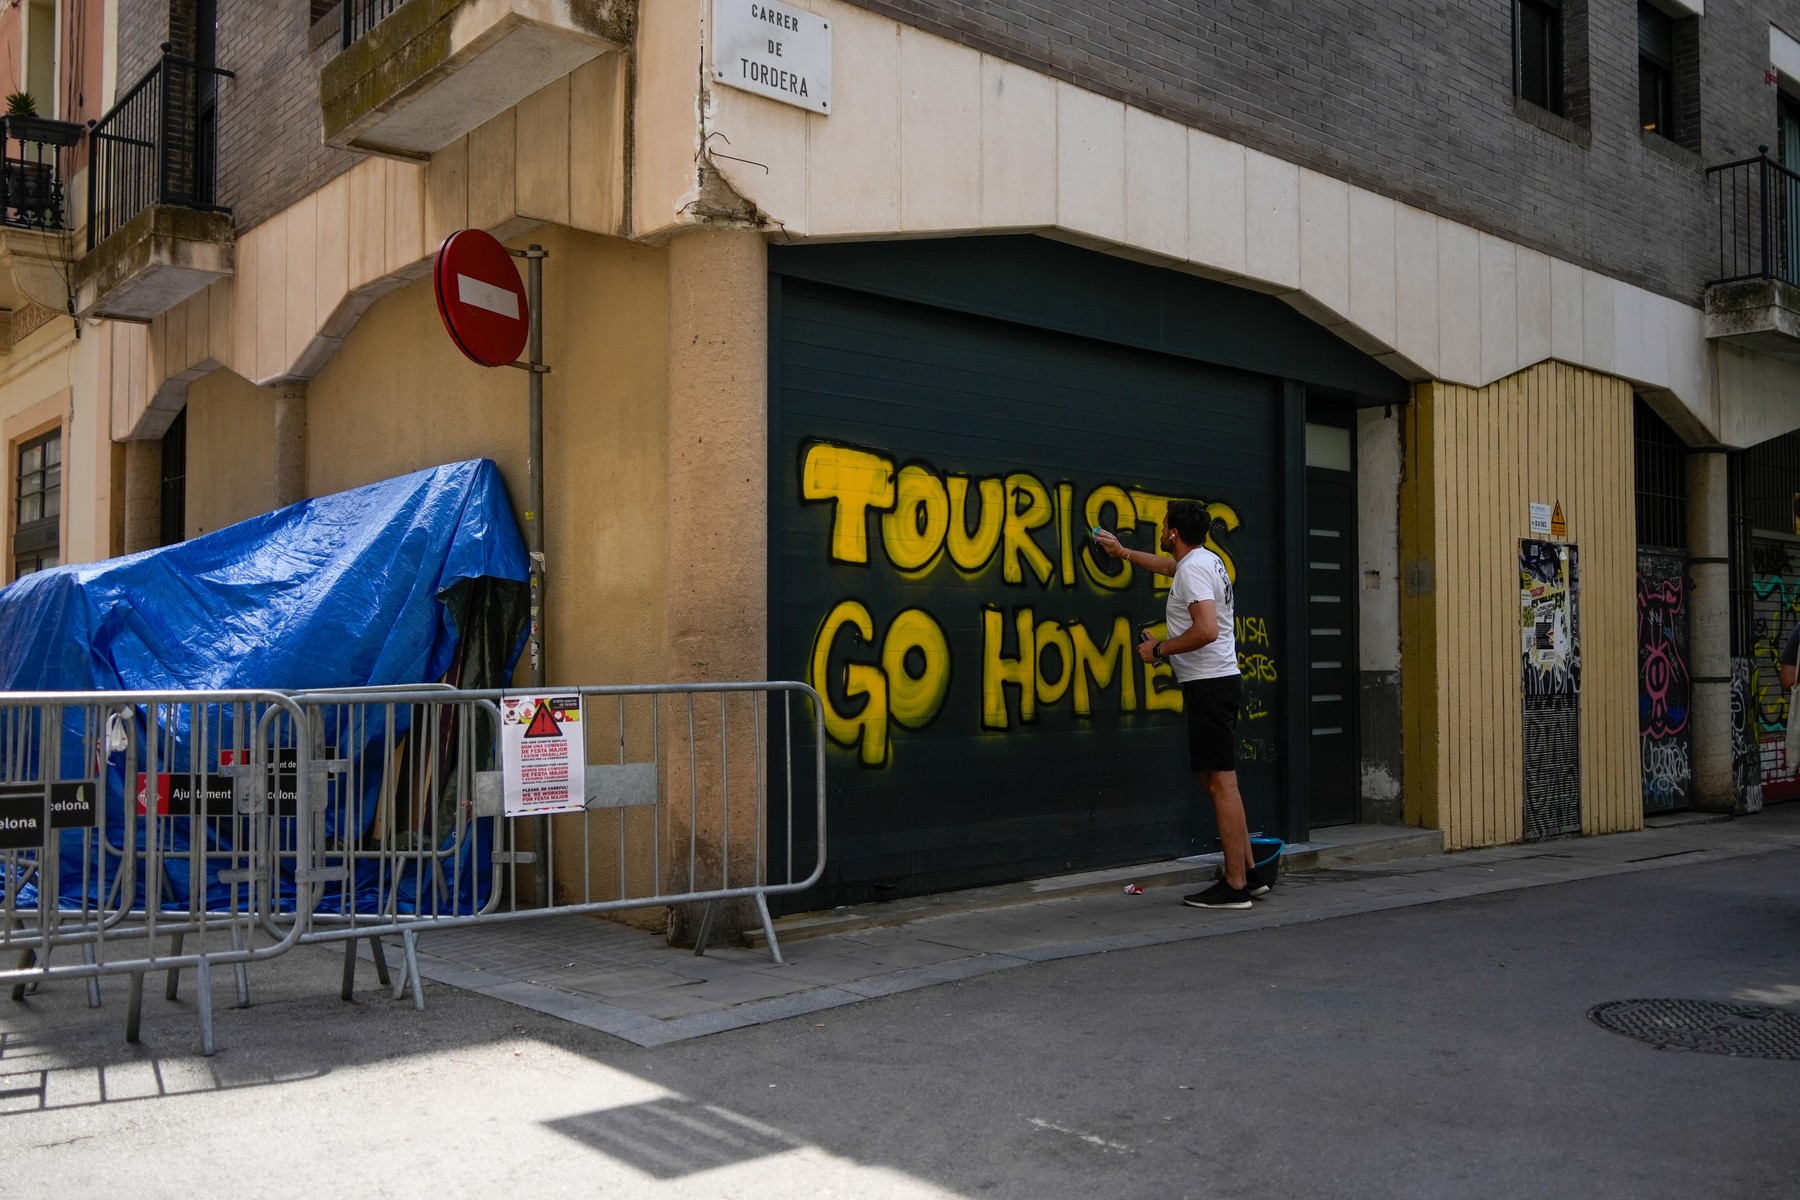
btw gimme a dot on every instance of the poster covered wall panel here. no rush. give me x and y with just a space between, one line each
933 479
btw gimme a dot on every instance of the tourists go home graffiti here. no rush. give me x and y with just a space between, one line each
1004 560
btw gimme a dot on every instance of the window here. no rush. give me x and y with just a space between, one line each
38 511
1656 71
174 482
1538 52
1661 477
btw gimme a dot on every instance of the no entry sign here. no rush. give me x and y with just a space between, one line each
480 298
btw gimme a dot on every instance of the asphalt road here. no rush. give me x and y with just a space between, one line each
1435 1051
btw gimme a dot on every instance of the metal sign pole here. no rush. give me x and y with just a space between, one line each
534 257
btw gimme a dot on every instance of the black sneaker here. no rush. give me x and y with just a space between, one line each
1253 883
1219 895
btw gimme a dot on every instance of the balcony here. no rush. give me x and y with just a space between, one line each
155 232
1754 301
415 75
34 222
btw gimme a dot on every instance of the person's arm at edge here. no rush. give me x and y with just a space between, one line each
1154 563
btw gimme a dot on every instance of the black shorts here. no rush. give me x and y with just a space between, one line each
1212 716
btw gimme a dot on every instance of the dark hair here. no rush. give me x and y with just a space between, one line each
1190 521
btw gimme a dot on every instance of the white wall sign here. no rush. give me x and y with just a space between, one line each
774 51
1540 520
544 756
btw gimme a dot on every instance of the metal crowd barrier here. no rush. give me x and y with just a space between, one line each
659 761
131 818
357 814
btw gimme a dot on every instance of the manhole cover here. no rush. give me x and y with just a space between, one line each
1740 1030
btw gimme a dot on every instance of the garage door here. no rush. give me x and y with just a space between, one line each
932 477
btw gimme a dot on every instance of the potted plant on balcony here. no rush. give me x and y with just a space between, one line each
30 193
24 125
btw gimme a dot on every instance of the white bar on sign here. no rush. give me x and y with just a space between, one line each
486 295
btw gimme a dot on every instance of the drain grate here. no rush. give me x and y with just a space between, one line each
1708 1026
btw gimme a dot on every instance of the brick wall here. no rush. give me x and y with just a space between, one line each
1413 99
269 150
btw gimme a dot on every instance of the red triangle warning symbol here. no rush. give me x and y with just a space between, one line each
543 722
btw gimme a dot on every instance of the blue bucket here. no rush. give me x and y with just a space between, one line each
1265 856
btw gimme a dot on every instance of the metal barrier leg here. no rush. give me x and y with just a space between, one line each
203 982
349 987
93 983
412 969
174 987
380 956
242 969
705 929
762 910
27 958
134 1007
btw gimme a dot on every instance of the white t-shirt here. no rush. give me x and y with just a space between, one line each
1202 576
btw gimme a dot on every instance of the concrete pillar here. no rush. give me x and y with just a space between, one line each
290 442
717 585
143 496
1709 630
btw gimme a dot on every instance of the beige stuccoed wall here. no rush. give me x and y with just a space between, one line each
399 397
230 452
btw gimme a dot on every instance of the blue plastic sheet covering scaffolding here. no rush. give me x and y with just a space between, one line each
359 588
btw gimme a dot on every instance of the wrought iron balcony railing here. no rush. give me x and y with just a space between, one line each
360 16
1757 202
157 145
32 174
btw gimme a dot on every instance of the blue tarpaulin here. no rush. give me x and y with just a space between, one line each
345 590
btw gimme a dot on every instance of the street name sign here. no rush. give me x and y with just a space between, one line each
773 50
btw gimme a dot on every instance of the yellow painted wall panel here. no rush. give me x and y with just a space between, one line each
1551 434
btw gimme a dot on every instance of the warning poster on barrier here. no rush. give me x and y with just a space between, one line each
545 755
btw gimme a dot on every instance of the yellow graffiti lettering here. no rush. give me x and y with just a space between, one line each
1052 636
1065 518
1162 691
869 724
1103 569
1223 517
914 697
913 533
1151 508
1256 668
854 481
970 549
1102 665
1251 631
1027 508
997 670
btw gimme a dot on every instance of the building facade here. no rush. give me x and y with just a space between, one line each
1473 327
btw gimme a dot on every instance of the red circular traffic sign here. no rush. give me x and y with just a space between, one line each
480 297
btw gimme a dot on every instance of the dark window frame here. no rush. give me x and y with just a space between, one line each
172 510
324 23
1659 480
1657 110
1539 54
37 543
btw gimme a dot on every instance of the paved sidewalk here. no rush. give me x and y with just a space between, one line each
631 984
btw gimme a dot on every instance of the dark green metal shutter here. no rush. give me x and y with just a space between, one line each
955 804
